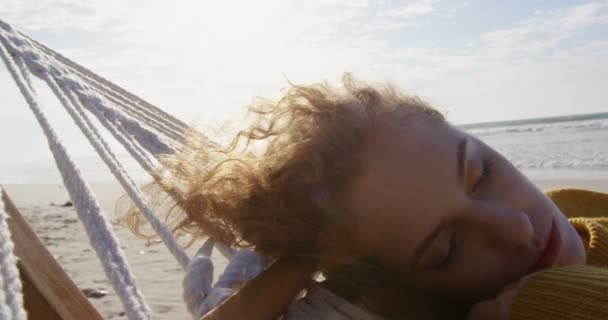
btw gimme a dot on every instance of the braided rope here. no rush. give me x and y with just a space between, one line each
109 87
168 129
74 108
89 89
152 141
144 158
137 152
100 234
104 112
131 101
91 133
198 278
128 118
200 296
11 298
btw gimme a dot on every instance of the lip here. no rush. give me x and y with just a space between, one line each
551 250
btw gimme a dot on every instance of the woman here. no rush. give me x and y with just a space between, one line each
390 200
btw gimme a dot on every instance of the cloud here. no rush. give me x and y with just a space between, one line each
545 31
411 9
204 61
209 60
51 15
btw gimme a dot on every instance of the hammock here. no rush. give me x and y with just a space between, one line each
146 132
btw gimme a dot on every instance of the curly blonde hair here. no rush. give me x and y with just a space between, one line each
273 188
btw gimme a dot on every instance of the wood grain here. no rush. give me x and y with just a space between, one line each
268 295
44 278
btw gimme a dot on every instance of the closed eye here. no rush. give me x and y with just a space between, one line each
486 171
447 260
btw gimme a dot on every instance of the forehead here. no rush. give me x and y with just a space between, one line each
407 184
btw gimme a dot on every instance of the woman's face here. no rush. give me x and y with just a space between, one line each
450 215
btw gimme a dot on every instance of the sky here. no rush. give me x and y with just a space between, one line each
204 61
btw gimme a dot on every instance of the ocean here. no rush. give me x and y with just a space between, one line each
554 148
566 147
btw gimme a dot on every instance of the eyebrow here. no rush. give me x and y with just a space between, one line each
461 153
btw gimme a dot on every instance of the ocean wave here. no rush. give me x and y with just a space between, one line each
564 163
541 127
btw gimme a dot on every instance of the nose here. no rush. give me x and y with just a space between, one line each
505 227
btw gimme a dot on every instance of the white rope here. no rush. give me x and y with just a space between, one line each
105 112
243 266
98 229
116 168
11 298
85 85
138 130
135 150
200 296
168 129
132 103
103 149
226 251
198 278
134 123
72 106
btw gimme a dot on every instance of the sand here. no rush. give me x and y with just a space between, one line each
159 275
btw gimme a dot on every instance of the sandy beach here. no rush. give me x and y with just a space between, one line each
159 275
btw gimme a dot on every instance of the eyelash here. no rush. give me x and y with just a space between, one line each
487 166
449 257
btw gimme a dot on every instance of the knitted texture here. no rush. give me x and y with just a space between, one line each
596 231
572 292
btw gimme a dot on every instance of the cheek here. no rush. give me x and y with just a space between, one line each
479 273
387 237
512 181
511 188
395 247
